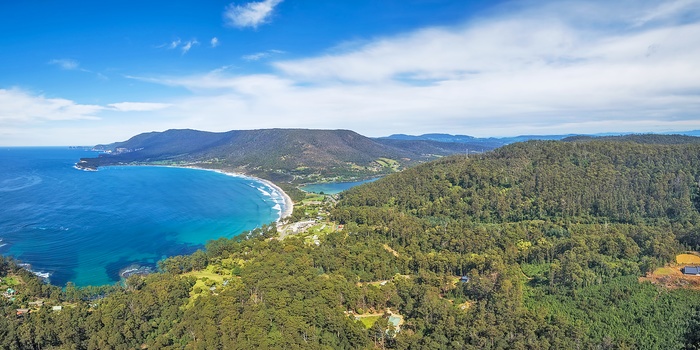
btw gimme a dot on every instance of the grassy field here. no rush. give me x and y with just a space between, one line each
313 198
688 259
201 275
386 162
205 279
664 271
368 321
10 281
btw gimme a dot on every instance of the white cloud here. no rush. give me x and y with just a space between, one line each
65 63
19 106
185 47
544 68
557 67
251 14
260 55
255 56
174 44
138 106
214 42
188 45
668 10
30 119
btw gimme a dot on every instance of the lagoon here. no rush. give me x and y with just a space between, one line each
333 187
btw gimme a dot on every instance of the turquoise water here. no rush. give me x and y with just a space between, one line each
333 187
84 227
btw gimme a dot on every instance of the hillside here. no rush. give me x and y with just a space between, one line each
550 238
283 153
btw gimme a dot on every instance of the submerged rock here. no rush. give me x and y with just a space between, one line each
135 269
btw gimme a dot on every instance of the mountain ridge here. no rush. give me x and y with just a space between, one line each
285 154
495 142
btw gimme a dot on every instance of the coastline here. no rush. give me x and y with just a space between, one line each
287 207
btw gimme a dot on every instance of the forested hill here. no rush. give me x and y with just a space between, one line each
536 245
288 151
553 236
591 181
640 138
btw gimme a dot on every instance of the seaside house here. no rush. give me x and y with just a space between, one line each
9 293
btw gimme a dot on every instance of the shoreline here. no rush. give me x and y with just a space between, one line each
287 205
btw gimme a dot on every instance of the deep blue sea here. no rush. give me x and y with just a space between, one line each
334 187
84 227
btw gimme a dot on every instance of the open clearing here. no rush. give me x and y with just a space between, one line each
665 271
672 277
368 320
688 259
206 274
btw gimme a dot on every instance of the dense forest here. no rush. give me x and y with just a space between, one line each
550 239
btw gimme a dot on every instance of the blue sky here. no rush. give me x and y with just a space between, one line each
75 72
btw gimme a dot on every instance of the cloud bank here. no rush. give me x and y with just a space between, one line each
21 107
558 67
526 68
138 106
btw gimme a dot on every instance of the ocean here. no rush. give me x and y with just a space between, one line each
84 227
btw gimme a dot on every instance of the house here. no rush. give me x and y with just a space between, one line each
9 293
691 270
22 312
464 279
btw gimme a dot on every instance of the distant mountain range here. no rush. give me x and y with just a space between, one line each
275 153
494 142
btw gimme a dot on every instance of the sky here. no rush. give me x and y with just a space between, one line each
83 73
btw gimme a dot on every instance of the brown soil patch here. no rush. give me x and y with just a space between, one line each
671 277
388 249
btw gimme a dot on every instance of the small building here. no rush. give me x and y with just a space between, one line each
464 279
22 312
691 270
57 308
9 293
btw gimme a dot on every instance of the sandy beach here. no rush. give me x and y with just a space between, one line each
288 206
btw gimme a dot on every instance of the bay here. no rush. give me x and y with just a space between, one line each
84 227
